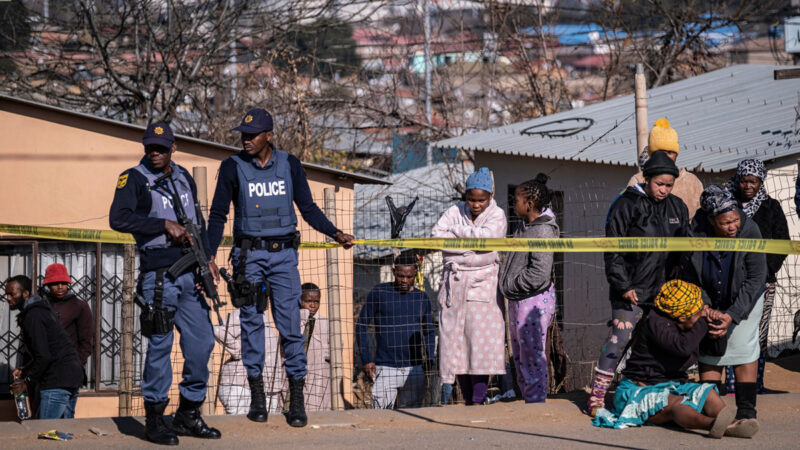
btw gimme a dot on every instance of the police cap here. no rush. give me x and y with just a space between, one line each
255 121
158 133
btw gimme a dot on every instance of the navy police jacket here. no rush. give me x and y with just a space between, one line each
141 210
263 198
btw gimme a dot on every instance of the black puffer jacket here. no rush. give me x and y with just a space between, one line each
49 358
772 223
634 214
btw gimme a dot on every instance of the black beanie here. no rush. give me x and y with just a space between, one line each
659 164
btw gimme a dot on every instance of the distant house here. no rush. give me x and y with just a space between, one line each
721 118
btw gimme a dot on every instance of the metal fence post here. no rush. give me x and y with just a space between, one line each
126 345
199 173
334 313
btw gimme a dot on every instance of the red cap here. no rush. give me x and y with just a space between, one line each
56 273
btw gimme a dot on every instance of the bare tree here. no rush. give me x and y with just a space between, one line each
674 39
181 61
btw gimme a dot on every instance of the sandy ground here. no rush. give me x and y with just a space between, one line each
555 424
783 374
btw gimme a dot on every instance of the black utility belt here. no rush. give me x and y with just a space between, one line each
269 244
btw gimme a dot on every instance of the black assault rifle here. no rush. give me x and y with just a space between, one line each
194 253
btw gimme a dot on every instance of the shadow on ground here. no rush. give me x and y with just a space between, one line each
501 430
129 426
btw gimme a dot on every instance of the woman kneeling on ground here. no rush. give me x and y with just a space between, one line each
655 387
734 284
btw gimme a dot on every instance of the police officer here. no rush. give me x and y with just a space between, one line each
143 206
264 183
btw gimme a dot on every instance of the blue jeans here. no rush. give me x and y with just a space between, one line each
447 392
57 404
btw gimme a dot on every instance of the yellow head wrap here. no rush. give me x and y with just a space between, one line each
679 299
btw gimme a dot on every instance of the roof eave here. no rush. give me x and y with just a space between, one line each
358 178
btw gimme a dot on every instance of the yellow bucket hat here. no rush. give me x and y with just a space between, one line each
679 299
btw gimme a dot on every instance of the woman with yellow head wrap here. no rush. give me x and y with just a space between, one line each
655 387
679 299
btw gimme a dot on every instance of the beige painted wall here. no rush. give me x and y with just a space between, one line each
61 169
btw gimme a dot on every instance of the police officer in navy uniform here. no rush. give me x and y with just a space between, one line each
143 206
264 183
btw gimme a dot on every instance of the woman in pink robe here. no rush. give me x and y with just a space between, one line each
471 325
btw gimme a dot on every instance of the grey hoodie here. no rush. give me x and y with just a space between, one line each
526 274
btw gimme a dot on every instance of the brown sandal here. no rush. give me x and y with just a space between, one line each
744 428
720 425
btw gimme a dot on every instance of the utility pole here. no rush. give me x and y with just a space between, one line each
640 87
426 14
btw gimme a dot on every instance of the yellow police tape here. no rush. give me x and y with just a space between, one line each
570 245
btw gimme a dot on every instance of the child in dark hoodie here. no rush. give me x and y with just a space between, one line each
655 387
525 280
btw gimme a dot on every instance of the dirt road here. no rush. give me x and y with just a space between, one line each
555 424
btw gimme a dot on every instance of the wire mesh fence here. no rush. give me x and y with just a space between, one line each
409 330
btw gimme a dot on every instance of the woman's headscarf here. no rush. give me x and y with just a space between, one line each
749 167
716 200
679 299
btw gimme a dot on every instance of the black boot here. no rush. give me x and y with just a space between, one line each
258 400
155 430
188 422
746 400
721 387
297 408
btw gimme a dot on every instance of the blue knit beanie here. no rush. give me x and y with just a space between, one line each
481 179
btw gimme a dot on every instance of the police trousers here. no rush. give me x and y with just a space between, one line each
196 340
279 269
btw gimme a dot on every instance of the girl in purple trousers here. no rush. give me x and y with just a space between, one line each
525 280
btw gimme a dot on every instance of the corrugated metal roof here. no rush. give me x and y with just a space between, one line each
721 117
356 177
432 184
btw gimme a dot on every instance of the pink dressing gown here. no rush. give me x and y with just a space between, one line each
471 325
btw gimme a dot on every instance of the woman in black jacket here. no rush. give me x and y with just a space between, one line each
643 210
732 283
747 185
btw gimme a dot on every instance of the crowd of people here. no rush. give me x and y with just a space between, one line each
703 307
669 310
